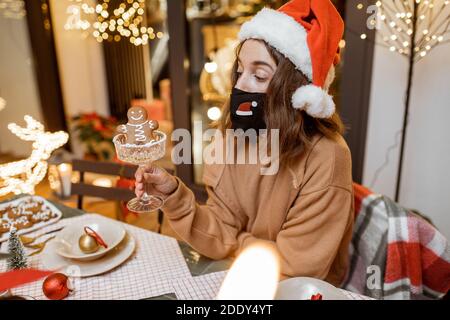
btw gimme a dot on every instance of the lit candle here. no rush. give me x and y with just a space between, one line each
253 276
65 174
102 182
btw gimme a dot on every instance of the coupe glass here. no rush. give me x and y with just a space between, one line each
142 155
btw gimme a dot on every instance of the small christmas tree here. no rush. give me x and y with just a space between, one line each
17 260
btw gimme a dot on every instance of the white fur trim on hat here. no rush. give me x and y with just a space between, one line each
315 101
283 33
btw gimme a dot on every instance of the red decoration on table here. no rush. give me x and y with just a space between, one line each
56 286
15 278
96 236
316 296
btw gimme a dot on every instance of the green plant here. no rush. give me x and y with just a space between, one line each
96 133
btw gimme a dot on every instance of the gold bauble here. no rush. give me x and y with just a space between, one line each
88 244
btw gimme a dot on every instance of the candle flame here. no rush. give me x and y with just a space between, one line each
253 276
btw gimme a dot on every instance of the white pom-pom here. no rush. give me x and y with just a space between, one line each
314 100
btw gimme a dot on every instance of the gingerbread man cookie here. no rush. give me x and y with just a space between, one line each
22 223
42 216
138 130
31 206
5 225
14 213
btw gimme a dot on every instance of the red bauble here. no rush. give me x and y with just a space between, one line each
56 286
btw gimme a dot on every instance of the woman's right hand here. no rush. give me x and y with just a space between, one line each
157 181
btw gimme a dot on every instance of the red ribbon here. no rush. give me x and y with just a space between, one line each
15 278
317 296
96 236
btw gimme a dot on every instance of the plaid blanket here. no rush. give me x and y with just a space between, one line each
395 253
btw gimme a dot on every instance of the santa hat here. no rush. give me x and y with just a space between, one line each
307 32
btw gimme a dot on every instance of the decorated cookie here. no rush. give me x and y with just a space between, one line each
31 207
4 226
138 130
41 216
4 211
14 213
22 223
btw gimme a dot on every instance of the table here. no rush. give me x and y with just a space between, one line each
197 264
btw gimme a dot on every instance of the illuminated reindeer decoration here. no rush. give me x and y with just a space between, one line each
23 175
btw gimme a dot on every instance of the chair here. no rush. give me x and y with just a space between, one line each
82 189
409 256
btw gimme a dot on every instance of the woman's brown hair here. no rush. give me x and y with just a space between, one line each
296 127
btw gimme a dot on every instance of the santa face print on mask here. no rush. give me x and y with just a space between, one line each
247 110
138 130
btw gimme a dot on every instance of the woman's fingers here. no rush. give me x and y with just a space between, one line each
149 168
138 193
154 180
139 175
150 189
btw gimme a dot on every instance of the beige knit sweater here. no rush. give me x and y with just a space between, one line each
305 211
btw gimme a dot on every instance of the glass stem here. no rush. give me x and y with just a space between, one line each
145 196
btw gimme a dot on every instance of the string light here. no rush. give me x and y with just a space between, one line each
123 22
210 66
14 9
22 176
214 113
74 21
432 23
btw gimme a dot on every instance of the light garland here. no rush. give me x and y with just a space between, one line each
14 9
74 21
22 176
432 25
411 28
124 22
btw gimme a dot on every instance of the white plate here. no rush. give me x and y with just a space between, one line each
113 259
109 230
302 288
36 226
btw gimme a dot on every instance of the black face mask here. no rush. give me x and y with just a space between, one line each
247 110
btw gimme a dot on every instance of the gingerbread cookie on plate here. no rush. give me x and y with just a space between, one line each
5 225
22 223
14 213
4 211
31 206
42 216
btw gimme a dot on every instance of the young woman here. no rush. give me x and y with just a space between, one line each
286 62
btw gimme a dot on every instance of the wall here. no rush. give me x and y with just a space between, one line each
81 67
17 84
426 174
